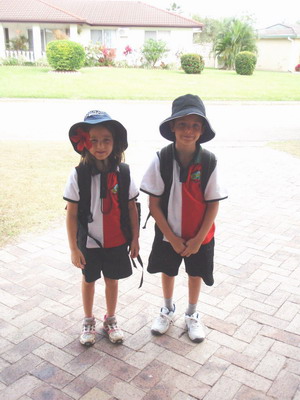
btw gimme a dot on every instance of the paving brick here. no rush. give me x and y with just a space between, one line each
52 375
96 394
234 357
178 362
15 371
140 359
281 335
285 386
203 351
219 325
227 341
22 349
48 392
225 388
212 370
248 378
150 376
287 350
80 386
53 355
120 389
246 393
247 331
270 365
19 388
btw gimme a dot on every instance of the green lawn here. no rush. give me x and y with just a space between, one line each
147 84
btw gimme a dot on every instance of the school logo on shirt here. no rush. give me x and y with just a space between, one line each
195 176
115 189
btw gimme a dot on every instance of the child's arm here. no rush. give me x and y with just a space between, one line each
193 245
134 222
77 257
176 242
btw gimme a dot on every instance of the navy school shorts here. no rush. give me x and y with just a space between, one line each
163 258
113 262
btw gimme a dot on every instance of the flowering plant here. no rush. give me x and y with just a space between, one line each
297 68
82 139
128 50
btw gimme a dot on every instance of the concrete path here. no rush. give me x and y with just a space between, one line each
251 313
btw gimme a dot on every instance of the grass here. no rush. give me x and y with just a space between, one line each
143 84
289 146
33 175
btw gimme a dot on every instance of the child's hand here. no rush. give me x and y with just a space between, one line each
77 258
192 247
178 244
134 248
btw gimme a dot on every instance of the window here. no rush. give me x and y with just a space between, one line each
30 39
150 35
106 37
6 36
96 36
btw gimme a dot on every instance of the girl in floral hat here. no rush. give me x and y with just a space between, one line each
101 223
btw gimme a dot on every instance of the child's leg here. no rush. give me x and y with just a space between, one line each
88 291
168 289
110 326
194 284
111 295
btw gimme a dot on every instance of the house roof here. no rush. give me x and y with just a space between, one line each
279 31
92 12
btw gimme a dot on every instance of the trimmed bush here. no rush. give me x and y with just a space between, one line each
245 62
65 55
192 63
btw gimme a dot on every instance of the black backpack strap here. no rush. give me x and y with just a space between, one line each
166 157
123 193
209 162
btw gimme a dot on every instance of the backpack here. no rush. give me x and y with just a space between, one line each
84 173
166 157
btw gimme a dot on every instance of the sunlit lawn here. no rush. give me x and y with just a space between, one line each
150 84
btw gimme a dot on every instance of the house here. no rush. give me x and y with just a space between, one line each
278 48
114 24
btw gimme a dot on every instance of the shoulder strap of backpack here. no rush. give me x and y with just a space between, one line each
166 156
84 184
209 162
123 193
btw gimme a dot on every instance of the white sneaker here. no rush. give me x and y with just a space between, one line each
162 323
88 333
112 330
195 327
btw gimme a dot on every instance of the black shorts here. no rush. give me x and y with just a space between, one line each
113 262
163 258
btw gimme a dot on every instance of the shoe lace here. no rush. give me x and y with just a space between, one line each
194 321
167 317
89 328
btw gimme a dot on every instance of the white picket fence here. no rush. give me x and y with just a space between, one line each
20 54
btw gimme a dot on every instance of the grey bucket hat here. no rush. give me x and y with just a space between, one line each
79 137
182 106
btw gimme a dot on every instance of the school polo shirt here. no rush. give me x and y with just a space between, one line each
106 226
187 204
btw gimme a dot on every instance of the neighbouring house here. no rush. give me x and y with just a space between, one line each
278 48
114 24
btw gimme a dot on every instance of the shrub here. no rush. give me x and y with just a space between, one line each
297 68
65 55
11 61
154 50
192 63
245 62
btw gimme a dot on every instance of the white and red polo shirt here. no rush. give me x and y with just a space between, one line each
187 204
106 226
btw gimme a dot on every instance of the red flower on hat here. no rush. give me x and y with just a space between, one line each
82 139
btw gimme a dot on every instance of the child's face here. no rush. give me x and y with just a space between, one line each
187 130
102 142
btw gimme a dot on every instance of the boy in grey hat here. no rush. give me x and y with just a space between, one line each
184 210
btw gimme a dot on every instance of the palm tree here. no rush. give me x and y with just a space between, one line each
233 37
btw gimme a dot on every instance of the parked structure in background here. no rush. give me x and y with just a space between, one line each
278 48
114 24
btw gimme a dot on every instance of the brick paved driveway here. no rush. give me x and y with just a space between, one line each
252 350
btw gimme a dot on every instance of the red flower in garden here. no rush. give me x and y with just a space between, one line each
82 139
